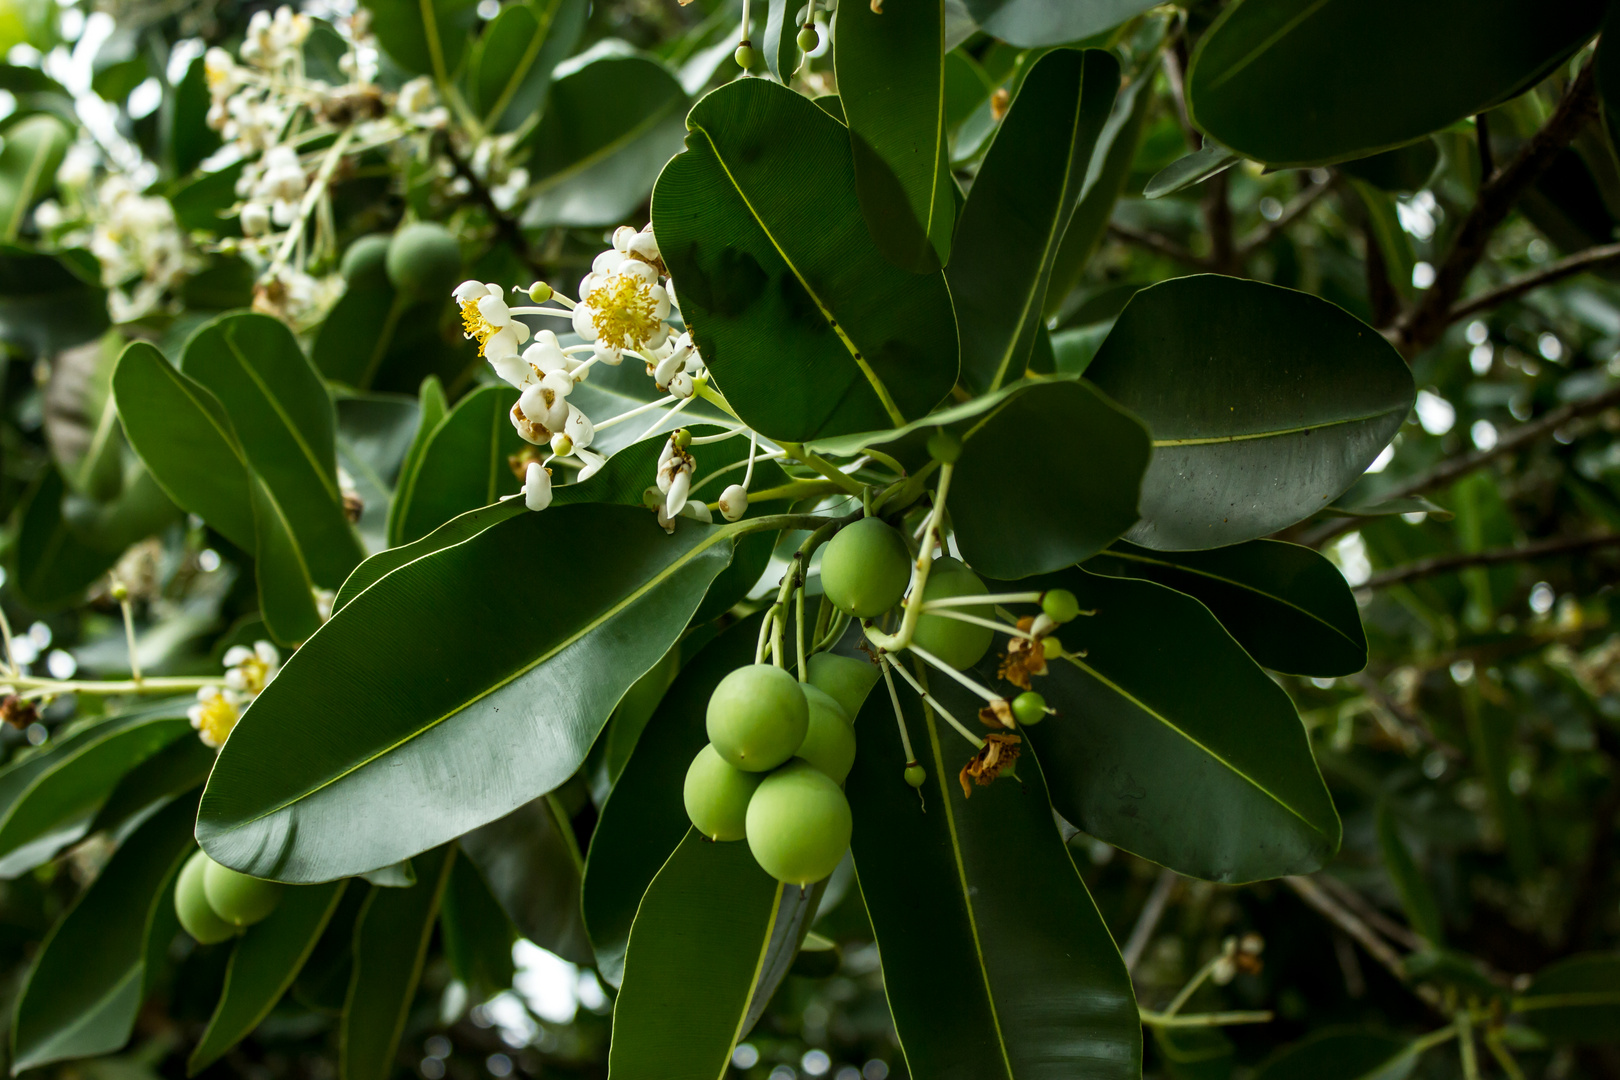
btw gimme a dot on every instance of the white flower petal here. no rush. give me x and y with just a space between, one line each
536 487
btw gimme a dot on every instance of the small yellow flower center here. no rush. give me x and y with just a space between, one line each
622 312
474 325
218 717
255 673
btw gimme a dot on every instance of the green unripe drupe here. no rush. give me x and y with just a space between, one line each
424 260
744 56
845 679
366 261
191 904
807 39
757 717
916 775
944 447
717 795
238 899
865 568
957 643
1029 708
798 824
829 743
1060 605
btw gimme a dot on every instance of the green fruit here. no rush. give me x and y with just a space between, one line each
844 679
944 447
191 904
717 795
798 824
865 568
424 260
1029 708
829 743
915 775
744 57
1060 605
238 899
808 39
757 717
366 261
957 643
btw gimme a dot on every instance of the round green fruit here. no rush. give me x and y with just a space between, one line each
915 775
798 824
757 717
807 39
717 795
191 903
238 899
865 568
366 261
959 644
1060 605
829 743
843 678
744 56
424 260
1029 708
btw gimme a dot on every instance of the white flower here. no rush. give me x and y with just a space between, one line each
680 484
543 408
418 104
536 486
215 714
248 671
255 219
622 304
579 428
486 318
284 177
734 502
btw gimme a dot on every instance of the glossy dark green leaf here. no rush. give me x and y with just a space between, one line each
892 86
284 421
1422 911
1384 229
48 799
353 342
375 432
644 818
778 45
86 984
1341 1054
612 121
711 909
286 584
322 983
1013 224
34 148
1289 607
460 528
50 302
1171 743
463 698
1575 1000
1402 170
1269 79
390 945
165 776
1194 168
81 419
996 962
513 60
807 329
432 408
476 933
1265 405
425 37
191 140
463 465
531 863
1034 23
263 965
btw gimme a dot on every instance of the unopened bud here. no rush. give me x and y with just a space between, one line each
539 292
734 502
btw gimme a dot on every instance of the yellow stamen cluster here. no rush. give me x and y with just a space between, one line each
474 325
622 312
255 673
218 716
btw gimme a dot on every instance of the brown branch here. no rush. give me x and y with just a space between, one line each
1376 947
1516 287
1159 244
1290 213
1423 324
1445 564
1452 468
1148 921
1217 207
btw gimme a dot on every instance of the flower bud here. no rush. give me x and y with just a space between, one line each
537 487
682 385
734 502
539 292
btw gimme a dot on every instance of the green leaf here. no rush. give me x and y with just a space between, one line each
779 45
375 432
1033 23
1403 170
1384 227
1575 1000
81 419
86 984
390 945
996 962
455 531
463 698
612 121
1341 1054
48 799
1191 169
50 302
285 423
807 329
891 82
34 148
477 934
1269 79
1171 743
1195 1053
66 542
263 965
433 407
286 586
425 37
463 464
1265 405
190 139
1416 897
1013 224
711 909
513 60
644 819
322 983
1289 607
531 863
151 785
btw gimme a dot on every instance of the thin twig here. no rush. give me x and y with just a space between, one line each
1291 212
1162 245
1363 907
1148 921
1445 564
1554 271
1375 946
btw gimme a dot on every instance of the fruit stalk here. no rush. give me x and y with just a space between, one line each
908 624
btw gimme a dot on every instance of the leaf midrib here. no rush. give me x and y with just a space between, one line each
1275 433
603 152
525 63
304 448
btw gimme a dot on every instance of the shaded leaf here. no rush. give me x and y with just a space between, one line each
425 37
1190 169
513 60
1034 23
463 464
1403 170
531 864
1341 1054
34 148
50 302
1416 897
477 935
1575 1000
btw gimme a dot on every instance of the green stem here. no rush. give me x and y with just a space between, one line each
1192 985
795 490
158 684
1214 1019
715 398
845 483
925 559
323 176
1503 1056
906 492
1465 1046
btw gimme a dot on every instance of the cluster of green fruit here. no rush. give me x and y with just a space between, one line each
774 769
215 902
421 261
